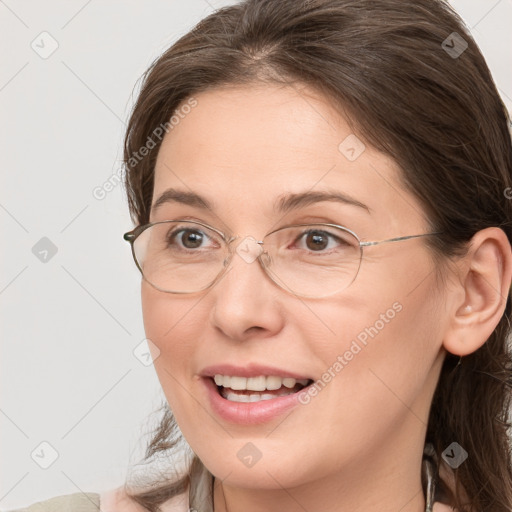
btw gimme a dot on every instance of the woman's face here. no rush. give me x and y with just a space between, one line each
376 346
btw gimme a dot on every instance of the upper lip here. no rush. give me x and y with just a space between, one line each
250 370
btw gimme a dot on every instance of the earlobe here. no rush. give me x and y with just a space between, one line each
485 283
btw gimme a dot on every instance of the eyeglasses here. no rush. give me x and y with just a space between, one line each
308 260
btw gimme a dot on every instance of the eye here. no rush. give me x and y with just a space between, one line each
189 238
320 240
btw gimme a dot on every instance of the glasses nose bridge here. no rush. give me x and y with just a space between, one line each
249 254
264 257
229 240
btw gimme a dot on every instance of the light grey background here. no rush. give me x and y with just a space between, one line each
70 325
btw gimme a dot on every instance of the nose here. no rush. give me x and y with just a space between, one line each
245 300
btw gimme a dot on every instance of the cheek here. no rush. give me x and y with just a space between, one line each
171 323
380 347
397 318
166 316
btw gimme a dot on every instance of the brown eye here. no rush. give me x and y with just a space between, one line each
316 240
186 238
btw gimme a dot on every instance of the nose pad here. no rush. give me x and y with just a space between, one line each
265 259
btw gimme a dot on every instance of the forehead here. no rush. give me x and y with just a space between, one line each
243 147
257 125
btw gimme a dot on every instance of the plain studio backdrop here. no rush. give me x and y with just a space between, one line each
76 386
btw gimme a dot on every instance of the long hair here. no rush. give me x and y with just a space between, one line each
412 82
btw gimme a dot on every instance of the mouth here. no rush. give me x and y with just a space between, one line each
235 388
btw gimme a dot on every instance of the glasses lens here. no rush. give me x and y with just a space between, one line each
180 256
313 260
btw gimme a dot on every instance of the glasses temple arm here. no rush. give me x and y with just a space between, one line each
398 239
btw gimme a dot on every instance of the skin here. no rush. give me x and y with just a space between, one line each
357 445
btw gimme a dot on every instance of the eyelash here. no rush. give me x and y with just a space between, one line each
175 234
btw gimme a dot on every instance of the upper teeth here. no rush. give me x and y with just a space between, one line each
260 383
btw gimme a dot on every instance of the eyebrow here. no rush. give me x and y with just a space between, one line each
284 204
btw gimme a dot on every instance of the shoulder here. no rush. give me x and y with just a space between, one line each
78 502
116 500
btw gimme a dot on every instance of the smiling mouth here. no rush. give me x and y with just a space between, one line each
256 389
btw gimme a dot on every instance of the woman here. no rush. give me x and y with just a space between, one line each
321 194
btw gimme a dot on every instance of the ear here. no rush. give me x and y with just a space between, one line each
479 299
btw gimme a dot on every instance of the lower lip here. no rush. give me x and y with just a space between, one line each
249 413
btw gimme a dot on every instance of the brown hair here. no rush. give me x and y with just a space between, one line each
413 90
